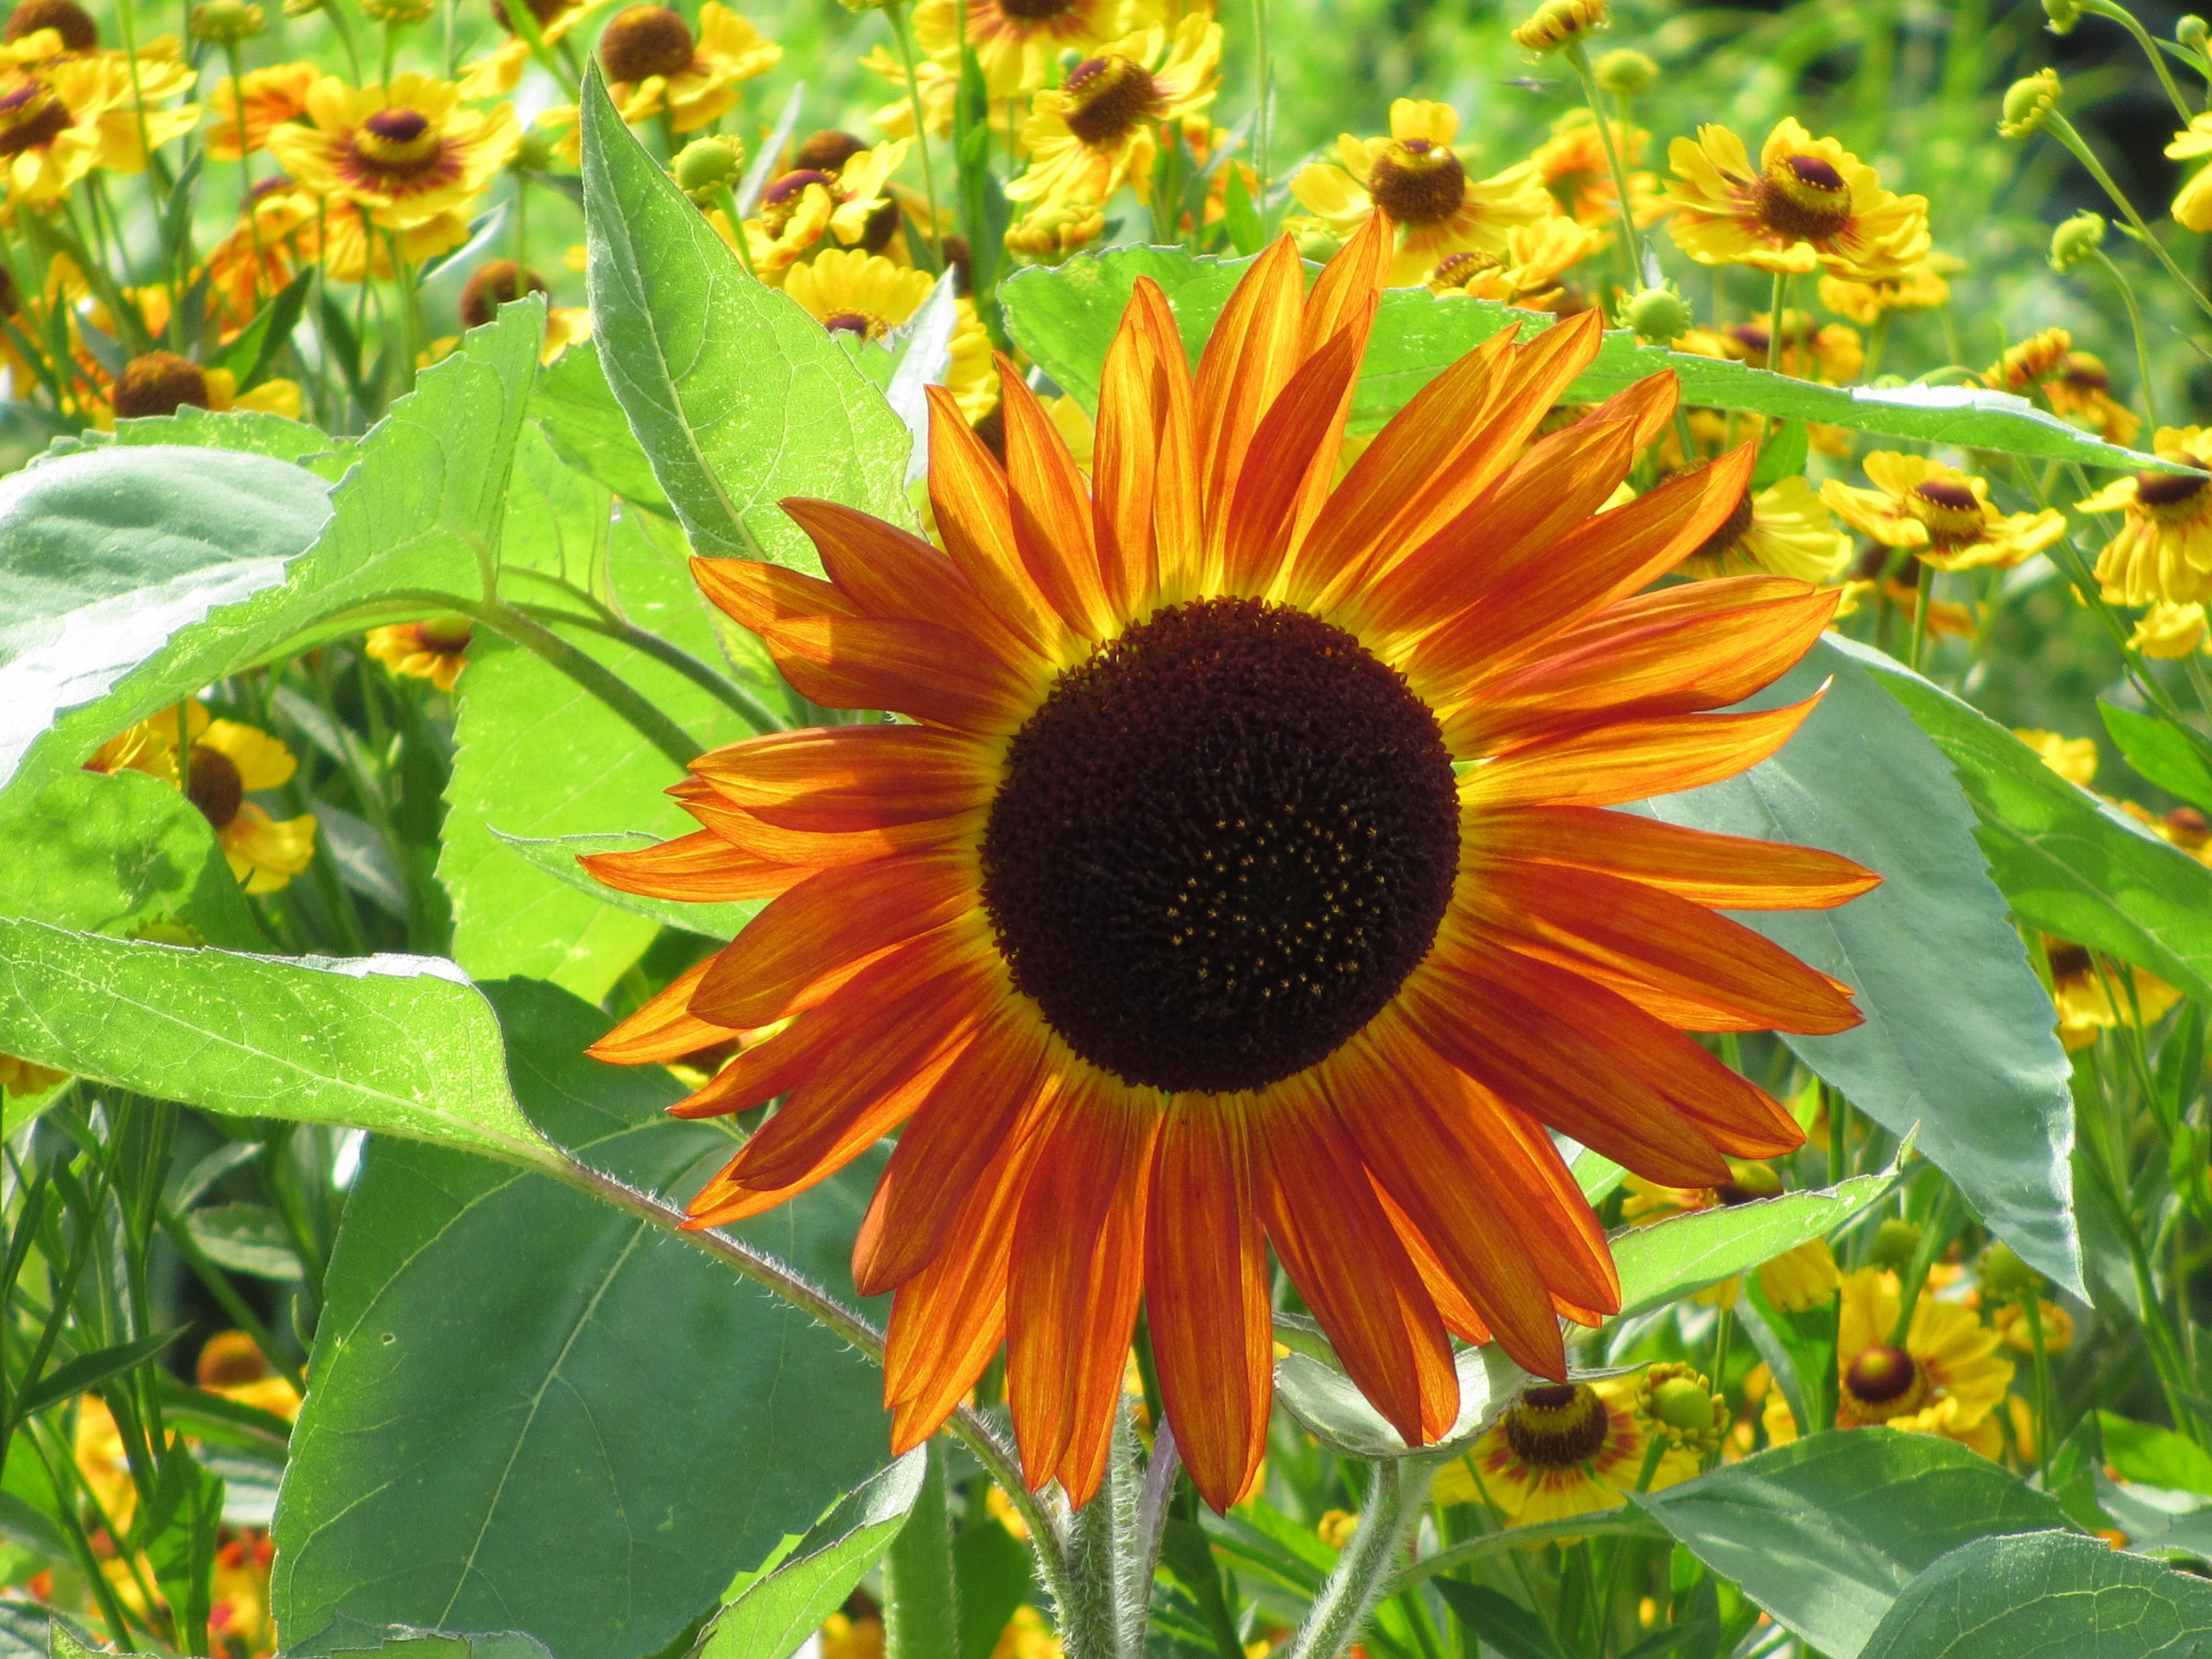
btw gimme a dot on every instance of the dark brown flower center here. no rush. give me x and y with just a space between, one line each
30 116
447 635
1457 270
1036 11
1952 513
854 323
2068 960
1556 1426
161 382
1221 845
1881 1376
880 226
398 143
2084 373
495 285
1108 96
1751 1182
644 40
213 784
1804 198
544 11
1418 183
2165 489
64 17
825 151
1733 530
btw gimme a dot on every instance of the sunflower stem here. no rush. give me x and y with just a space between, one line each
1102 1607
1369 1562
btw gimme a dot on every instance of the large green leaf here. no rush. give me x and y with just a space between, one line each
576 408
349 1637
2046 1596
174 566
538 757
1063 315
402 1044
2167 757
1958 1034
739 397
1671 1258
109 854
2067 861
773 1611
1825 1533
532 1411
1331 1405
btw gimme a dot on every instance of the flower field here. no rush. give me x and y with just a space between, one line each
989 829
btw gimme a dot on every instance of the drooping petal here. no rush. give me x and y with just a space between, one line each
701 868
665 1029
1723 871
755 594
1601 766
912 668
1205 1295
836 779
755 832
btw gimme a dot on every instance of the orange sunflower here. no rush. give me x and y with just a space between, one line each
1238 875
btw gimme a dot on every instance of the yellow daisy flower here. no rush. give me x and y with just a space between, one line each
2010 1323
1049 231
435 649
801 206
654 62
1561 1450
68 115
20 1077
497 72
2090 1002
225 761
2073 758
1573 167
2163 550
1093 133
2081 389
1809 205
233 1365
355 250
865 294
1536 257
406 154
1866 301
1947 1378
161 382
1943 514
1783 530
2170 632
71 27
271 96
2193 203
2030 362
1414 177
1800 1277
1016 43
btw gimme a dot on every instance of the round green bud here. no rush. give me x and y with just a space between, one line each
2076 239
1683 1403
2063 15
2192 32
2028 103
2004 1276
1895 1242
1317 242
535 153
1658 314
707 165
1624 71
226 22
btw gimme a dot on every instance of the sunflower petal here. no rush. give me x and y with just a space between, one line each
886 663
1052 513
1630 760
1248 359
1723 872
968 495
701 867
833 779
665 1029
755 595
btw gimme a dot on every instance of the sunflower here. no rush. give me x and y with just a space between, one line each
1562 1450
2093 997
1413 180
1573 167
1241 878
1093 133
2080 388
1947 1378
2164 550
1943 516
1783 530
70 114
1018 43
223 762
867 295
1536 256
845 198
408 155
271 97
436 648
1809 205
653 63
1800 1277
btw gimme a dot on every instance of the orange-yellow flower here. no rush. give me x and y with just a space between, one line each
1809 205
1242 876
867 295
1016 43
223 762
408 155
1943 516
435 649
1573 166
271 96
62 118
1094 132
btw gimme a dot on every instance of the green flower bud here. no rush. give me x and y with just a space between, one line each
707 165
1624 71
2076 239
2190 31
2064 15
1659 316
2004 1276
2028 103
1317 242
1895 1242
1681 1406
535 153
1680 1403
226 22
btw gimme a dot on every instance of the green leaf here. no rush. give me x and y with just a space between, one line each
245 1238
557 857
739 397
576 409
1825 1533
1063 315
774 1613
2046 1596
172 567
2141 1452
993 1575
537 756
246 431
533 1411
2157 1520
397 1043
1959 1032
109 854
255 348
1782 455
1331 1405
90 1371
1670 1259
1500 1620
347 1636
2068 863
2161 753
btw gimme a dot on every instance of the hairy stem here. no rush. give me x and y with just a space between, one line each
1370 1563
